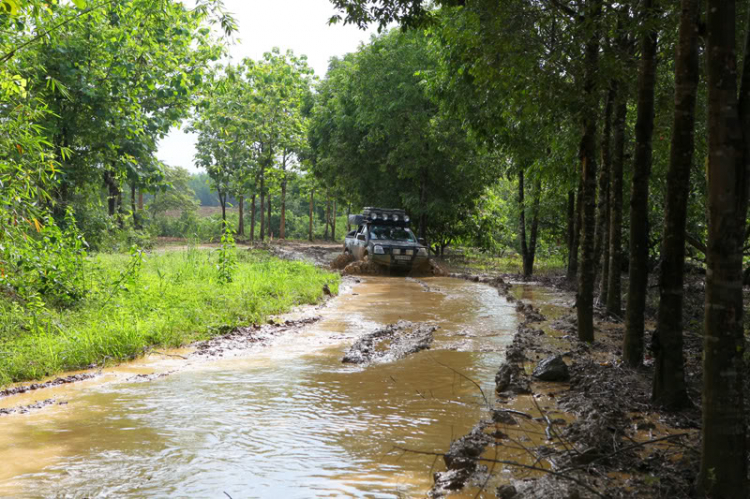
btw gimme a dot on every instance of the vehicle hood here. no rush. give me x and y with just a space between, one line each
396 244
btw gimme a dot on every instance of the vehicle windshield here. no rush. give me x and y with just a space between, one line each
383 232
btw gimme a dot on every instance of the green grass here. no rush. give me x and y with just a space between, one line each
174 298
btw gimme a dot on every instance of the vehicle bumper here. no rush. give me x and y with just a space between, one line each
390 261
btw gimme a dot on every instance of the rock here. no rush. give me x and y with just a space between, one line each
552 369
510 378
503 417
506 492
503 376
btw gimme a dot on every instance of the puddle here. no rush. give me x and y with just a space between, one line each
286 420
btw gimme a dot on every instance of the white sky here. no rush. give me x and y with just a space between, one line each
300 25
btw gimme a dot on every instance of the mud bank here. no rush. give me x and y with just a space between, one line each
17 390
612 442
391 343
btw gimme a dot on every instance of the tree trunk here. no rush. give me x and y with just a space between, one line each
348 212
120 210
270 234
241 223
586 273
282 226
669 388
571 226
723 472
328 214
262 204
312 194
578 222
522 222
111 184
252 220
614 286
529 263
632 351
602 208
333 222
223 203
133 207
140 199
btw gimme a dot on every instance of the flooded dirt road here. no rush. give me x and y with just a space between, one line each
285 419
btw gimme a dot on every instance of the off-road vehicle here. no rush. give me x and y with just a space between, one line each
383 236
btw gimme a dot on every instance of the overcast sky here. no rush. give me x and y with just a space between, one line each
300 25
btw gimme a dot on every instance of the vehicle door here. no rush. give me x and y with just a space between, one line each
360 242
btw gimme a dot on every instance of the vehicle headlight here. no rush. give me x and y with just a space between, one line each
407 219
422 252
396 251
410 252
378 250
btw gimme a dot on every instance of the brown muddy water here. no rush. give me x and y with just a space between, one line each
282 420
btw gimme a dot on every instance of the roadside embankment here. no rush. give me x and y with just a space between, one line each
164 299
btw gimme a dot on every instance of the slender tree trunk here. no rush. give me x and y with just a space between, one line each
534 228
723 472
111 184
573 264
348 212
632 351
586 273
333 222
140 199
328 214
120 210
270 234
312 195
669 388
223 203
262 204
602 208
133 207
614 286
282 227
241 223
522 222
252 220
571 227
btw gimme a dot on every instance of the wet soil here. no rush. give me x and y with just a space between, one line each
391 343
617 443
238 340
17 390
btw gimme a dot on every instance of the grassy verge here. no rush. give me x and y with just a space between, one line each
167 299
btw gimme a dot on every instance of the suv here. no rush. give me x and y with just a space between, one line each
384 237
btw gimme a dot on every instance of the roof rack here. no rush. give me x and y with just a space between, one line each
380 215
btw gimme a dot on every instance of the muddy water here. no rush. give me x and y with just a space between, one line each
286 420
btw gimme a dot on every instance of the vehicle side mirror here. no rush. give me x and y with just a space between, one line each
422 241
361 237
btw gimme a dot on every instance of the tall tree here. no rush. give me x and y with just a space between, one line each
723 472
614 291
586 276
669 377
638 267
